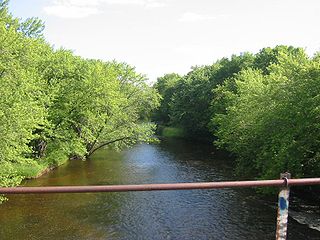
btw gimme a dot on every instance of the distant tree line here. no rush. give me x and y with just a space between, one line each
263 108
55 106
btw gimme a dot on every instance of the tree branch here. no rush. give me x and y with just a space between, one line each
106 143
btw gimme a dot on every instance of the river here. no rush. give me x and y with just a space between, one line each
192 214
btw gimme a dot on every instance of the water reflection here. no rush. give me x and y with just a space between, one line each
193 214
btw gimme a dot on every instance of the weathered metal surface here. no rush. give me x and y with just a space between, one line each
157 187
283 208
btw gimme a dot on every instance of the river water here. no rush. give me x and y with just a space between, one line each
192 214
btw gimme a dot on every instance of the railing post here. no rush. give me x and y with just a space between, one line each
283 207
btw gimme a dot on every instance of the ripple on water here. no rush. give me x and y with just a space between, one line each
193 214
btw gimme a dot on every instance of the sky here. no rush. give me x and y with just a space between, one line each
165 36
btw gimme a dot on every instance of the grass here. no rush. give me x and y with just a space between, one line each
34 169
173 132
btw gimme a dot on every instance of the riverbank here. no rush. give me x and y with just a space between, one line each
16 173
192 214
34 169
309 194
170 132
180 133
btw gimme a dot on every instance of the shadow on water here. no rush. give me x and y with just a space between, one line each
192 214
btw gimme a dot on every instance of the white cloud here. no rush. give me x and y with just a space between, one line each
191 49
124 2
144 3
85 8
70 12
196 17
77 3
155 4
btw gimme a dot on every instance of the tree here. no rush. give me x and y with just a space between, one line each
166 87
271 120
22 102
55 106
187 101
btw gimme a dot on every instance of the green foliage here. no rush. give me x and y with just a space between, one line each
268 56
32 27
8 177
22 100
166 87
190 102
55 105
172 132
263 108
271 121
187 100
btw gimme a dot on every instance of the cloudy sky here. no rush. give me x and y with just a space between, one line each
163 36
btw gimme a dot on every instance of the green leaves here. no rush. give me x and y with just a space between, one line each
263 108
270 123
32 27
55 105
187 101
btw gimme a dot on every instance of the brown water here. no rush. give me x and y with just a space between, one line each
192 214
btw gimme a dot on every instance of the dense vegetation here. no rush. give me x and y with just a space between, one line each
264 108
55 106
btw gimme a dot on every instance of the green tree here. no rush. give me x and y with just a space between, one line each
271 120
22 102
55 105
166 87
190 99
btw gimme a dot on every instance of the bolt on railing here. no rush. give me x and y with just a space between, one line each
283 201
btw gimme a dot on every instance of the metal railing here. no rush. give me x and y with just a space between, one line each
283 201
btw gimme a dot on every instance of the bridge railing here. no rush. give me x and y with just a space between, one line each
284 183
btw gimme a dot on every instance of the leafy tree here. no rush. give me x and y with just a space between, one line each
189 107
268 56
55 105
22 102
263 108
166 87
271 122
187 101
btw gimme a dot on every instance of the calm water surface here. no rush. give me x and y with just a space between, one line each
192 214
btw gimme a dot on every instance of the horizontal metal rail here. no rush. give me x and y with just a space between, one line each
157 187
